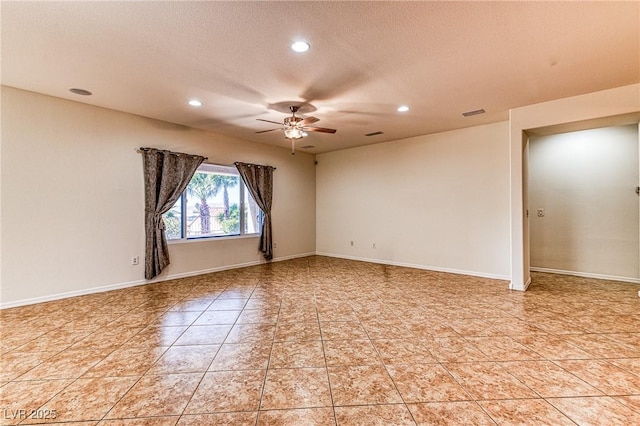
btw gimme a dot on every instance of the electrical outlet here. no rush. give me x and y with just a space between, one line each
135 260
275 245
540 212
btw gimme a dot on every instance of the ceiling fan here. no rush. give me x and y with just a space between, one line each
296 127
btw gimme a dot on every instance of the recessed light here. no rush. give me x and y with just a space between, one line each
300 46
403 108
82 92
195 103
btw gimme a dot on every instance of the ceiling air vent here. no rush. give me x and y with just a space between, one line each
374 133
476 112
82 92
307 147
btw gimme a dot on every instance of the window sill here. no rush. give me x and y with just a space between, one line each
209 239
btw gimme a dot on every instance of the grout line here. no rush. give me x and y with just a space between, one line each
339 282
266 372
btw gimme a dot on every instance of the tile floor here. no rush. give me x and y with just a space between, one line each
322 341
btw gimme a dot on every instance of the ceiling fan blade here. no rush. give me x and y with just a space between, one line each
269 121
318 129
265 131
309 120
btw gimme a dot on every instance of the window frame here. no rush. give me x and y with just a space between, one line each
243 192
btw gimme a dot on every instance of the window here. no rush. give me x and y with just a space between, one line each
215 204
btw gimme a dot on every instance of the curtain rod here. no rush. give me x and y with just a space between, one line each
257 165
142 149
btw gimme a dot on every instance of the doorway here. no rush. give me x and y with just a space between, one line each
609 107
584 213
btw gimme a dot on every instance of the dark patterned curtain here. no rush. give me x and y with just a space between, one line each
166 175
259 180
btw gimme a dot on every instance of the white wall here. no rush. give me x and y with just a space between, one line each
72 198
437 202
585 181
592 106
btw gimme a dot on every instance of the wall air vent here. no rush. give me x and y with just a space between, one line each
374 133
476 112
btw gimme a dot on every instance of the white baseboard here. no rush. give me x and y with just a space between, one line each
524 288
416 266
101 289
587 275
65 295
527 284
228 267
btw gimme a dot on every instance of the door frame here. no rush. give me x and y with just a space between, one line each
598 109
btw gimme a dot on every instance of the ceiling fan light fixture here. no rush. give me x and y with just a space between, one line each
300 46
293 133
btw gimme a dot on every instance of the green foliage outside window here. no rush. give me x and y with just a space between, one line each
230 225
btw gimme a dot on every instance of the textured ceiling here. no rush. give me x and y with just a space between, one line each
366 58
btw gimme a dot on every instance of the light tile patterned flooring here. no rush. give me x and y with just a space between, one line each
321 341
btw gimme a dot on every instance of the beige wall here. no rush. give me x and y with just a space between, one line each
438 202
584 184
72 198
71 195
